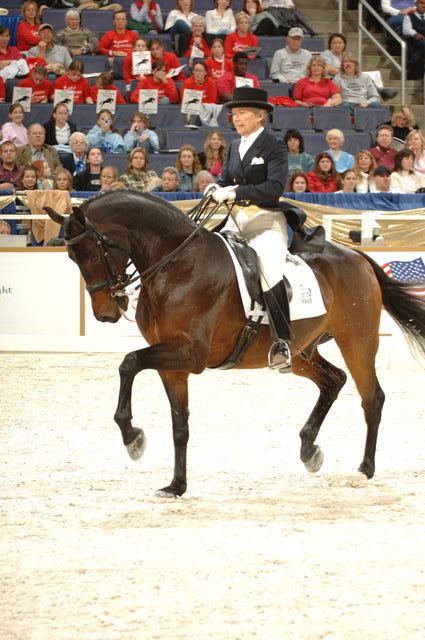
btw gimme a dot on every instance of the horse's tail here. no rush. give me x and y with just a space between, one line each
405 307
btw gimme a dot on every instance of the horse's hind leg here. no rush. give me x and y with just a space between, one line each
330 381
359 356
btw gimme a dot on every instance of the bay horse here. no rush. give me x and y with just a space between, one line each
190 313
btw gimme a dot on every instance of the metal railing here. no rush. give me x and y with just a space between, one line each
362 31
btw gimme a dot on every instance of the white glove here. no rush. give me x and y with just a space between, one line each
211 187
222 194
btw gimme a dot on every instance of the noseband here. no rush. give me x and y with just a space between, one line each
116 281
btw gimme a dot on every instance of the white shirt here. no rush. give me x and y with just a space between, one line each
62 135
247 142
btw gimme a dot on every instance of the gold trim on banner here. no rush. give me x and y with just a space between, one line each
5 201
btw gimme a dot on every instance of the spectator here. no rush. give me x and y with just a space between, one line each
62 180
383 153
403 122
323 179
287 16
200 81
342 159
167 91
404 178
290 63
241 39
76 160
381 180
27 31
44 175
101 4
109 179
178 23
364 167
414 32
315 89
106 81
10 171
74 81
14 130
103 136
140 45
57 58
140 136
187 165
146 17
214 154
118 41
221 20
77 39
170 60
137 175
337 44
8 54
217 63
416 142
394 12
89 179
357 89
347 181
36 149
202 180
197 45
298 160
42 89
28 180
261 22
169 181
59 128
298 183
227 82
5 228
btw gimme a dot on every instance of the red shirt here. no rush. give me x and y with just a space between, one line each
112 41
318 185
27 36
315 92
80 88
234 43
204 46
94 90
171 61
384 157
209 89
169 90
12 53
216 68
227 82
40 92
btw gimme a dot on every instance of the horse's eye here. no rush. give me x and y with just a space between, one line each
95 259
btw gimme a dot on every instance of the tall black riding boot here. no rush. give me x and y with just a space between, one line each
277 305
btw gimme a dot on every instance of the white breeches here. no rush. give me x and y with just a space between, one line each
266 232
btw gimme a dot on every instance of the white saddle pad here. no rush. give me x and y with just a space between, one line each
306 302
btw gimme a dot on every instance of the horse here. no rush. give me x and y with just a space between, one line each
190 313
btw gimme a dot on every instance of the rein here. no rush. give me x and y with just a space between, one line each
117 283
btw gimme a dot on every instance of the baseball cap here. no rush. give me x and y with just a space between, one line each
45 25
295 32
382 171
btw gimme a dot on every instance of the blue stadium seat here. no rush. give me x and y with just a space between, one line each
94 64
157 161
259 67
369 119
292 118
275 89
118 160
356 140
10 84
270 44
55 17
325 118
175 138
96 20
118 67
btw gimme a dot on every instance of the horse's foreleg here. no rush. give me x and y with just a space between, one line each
159 356
175 385
330 381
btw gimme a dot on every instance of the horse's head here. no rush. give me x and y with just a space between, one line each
102 263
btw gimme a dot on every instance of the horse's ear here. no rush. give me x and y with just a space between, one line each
79 215
56 217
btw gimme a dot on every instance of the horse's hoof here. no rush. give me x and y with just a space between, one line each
161 493
137 447
313 465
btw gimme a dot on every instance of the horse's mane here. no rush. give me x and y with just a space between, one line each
167 217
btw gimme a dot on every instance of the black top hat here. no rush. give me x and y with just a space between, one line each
249 97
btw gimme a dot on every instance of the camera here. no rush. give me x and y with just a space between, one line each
106 121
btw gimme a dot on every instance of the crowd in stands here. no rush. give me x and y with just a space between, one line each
210 54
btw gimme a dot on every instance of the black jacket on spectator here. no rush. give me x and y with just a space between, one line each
51 131
86 181
416 49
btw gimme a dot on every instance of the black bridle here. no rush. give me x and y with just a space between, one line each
116 281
